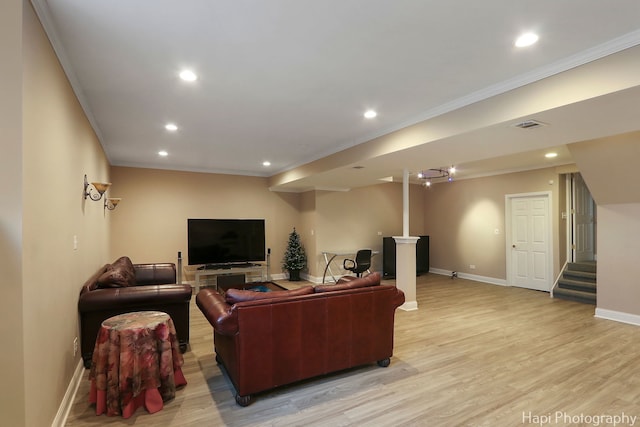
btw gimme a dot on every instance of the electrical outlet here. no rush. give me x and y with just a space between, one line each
472 266
75 346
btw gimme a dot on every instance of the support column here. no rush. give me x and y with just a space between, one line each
406 253
406 270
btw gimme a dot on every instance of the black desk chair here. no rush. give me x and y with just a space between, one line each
361 264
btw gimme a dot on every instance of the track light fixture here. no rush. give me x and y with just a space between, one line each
436 173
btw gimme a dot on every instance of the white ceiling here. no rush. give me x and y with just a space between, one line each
288 80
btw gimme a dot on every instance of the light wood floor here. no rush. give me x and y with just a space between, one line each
472 355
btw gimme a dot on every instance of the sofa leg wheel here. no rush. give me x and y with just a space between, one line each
384 362
243 400
183 347
218 360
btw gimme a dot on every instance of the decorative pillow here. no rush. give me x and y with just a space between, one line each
124 262
350 282
119 274
233 296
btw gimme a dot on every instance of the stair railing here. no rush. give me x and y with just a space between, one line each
564 267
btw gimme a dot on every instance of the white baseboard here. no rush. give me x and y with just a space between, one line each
279 276
318 279
69 396
313 279
474 277
409 306
618 316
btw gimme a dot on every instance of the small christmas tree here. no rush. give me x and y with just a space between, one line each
295 258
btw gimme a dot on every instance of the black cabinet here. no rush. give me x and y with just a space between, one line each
389 256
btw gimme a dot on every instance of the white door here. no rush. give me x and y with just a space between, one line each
582 220
530 242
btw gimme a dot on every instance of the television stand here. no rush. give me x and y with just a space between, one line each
227 266
223 269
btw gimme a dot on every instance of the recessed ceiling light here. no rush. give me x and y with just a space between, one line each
370 114
526 39
188 76
551 155
266 163
171 127
163 153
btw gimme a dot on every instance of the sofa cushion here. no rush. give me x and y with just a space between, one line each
151 297
119 274
233 296
350 282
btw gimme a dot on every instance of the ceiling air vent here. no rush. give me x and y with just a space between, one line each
529 124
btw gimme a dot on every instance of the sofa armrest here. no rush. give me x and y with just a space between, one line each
398 298
135 296
217 312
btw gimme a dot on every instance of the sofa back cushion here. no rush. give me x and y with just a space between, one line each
233 296
350 282
119 274
155 274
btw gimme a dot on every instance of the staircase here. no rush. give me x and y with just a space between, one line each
577 282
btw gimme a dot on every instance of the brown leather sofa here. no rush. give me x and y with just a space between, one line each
288 336
123 287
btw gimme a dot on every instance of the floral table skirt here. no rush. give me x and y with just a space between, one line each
136 362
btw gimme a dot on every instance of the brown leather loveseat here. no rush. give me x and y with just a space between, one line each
124 287
286 336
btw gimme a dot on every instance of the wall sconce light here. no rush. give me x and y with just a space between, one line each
99 187
111 203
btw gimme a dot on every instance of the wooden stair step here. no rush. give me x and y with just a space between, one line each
580 275
577 285
588 266
573 295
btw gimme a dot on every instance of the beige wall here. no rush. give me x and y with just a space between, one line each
618 250
461 218
12 394
609 168
46 151
150 224
307 231
361 217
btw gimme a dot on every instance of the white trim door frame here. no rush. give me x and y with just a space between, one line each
582 221
529 240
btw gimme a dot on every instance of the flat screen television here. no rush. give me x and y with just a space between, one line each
225 241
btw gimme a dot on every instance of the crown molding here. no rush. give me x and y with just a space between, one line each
44 14
589 55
